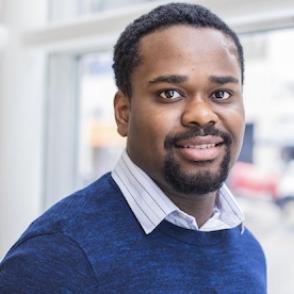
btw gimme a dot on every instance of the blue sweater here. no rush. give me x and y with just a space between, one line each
91 242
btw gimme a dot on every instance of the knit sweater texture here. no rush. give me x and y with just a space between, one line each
90 242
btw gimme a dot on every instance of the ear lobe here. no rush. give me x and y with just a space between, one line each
121 112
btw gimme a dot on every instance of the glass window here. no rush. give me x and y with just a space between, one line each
269 96
100 145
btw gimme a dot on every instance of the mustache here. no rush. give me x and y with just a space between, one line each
171 141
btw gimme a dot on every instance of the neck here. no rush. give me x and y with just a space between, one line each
199 206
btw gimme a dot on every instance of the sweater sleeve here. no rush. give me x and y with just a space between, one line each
50 263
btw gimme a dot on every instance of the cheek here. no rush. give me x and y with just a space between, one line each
148 129
148 126
154 119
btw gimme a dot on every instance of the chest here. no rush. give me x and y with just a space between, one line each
162 268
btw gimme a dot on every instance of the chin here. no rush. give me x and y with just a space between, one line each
208 178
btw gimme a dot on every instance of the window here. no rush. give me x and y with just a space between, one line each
269 94
99 143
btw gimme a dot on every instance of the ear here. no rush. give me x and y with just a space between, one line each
121 112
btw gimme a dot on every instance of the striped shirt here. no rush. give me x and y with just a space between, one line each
151 206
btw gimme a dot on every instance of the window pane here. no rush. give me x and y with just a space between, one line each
100 145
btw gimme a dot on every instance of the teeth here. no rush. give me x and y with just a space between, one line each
203 146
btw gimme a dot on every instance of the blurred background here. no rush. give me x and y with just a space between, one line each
57 129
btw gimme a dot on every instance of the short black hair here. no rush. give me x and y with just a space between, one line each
126 56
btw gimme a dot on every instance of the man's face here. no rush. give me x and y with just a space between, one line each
185 119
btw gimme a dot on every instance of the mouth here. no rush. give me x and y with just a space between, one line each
200 148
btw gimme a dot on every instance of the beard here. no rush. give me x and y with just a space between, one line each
200 182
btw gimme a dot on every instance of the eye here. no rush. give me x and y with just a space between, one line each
170 94
221 95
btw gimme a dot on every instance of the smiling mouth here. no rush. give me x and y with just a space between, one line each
200 148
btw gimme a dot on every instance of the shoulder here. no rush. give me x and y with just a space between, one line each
252 247
91 217
250 239
46 263
73 238
93 213
86 205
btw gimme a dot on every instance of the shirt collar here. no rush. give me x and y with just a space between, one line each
151 206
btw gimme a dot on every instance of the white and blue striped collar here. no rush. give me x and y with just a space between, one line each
151 206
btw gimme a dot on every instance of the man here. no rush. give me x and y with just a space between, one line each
162 222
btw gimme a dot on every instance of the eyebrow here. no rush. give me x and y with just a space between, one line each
177 79
171 79
223 80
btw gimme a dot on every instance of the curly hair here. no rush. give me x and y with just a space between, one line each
126 56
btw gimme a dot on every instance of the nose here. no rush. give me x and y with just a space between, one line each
199 112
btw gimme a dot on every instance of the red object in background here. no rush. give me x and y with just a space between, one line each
247 180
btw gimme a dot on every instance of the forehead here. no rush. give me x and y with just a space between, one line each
186 46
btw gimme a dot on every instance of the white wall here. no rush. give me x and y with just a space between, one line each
21 121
